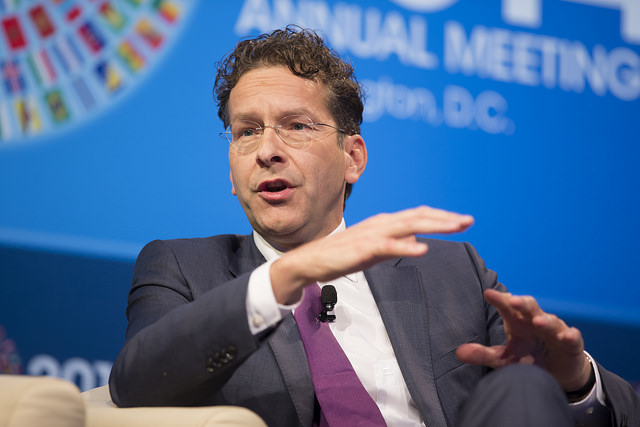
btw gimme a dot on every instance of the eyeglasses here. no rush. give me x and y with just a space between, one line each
296 131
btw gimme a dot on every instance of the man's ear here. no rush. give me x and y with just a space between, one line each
233 188
355 151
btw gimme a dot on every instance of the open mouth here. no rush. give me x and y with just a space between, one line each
273 186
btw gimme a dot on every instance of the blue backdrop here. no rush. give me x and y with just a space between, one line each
523 113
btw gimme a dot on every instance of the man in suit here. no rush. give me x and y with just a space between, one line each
430 333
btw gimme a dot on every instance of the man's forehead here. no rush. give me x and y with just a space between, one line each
276 91
277 75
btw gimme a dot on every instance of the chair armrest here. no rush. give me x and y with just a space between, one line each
27 401
102 412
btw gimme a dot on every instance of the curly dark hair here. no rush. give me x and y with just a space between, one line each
304 52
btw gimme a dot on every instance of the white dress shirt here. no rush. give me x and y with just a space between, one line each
358 328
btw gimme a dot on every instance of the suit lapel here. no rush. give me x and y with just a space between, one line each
288 350
285 342
400 295
246 258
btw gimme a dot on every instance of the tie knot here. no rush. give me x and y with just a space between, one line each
310 306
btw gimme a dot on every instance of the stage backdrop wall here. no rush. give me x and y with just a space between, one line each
523 113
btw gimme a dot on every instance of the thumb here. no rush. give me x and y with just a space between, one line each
478 354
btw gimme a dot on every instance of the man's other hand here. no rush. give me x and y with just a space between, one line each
533 337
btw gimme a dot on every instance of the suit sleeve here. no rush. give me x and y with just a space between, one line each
621 398
181 344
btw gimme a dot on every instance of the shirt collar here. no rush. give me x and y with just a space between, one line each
270 253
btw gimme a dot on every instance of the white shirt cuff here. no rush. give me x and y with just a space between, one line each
263 311
595 395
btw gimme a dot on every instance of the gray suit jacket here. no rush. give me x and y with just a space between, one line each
188 341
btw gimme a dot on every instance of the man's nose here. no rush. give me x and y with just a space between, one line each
270 149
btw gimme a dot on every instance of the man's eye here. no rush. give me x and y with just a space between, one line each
299 127
247 133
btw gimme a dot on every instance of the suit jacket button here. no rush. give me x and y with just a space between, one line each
229 354
210 365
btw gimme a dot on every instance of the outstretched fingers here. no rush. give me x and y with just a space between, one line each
533 336
416 221
513 307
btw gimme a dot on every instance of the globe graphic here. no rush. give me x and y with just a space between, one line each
63 61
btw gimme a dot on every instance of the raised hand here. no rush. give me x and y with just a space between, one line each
533 337
367 243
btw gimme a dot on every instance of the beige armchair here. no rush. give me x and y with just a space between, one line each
40 401
27 401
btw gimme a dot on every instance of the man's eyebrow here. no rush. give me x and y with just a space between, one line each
254 117
245 117
297 112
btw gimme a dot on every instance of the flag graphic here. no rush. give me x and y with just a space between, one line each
41 21
56 105
12 76
130 56
62 61
27 113
69 9
108 76
92 38
42 68
13 32
73 13
148 33
168 10
88 101
114 18
6 130
67 54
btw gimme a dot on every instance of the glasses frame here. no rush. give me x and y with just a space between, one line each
228 135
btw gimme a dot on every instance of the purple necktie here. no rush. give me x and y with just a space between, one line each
342 397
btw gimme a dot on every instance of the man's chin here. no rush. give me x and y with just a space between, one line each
278 227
